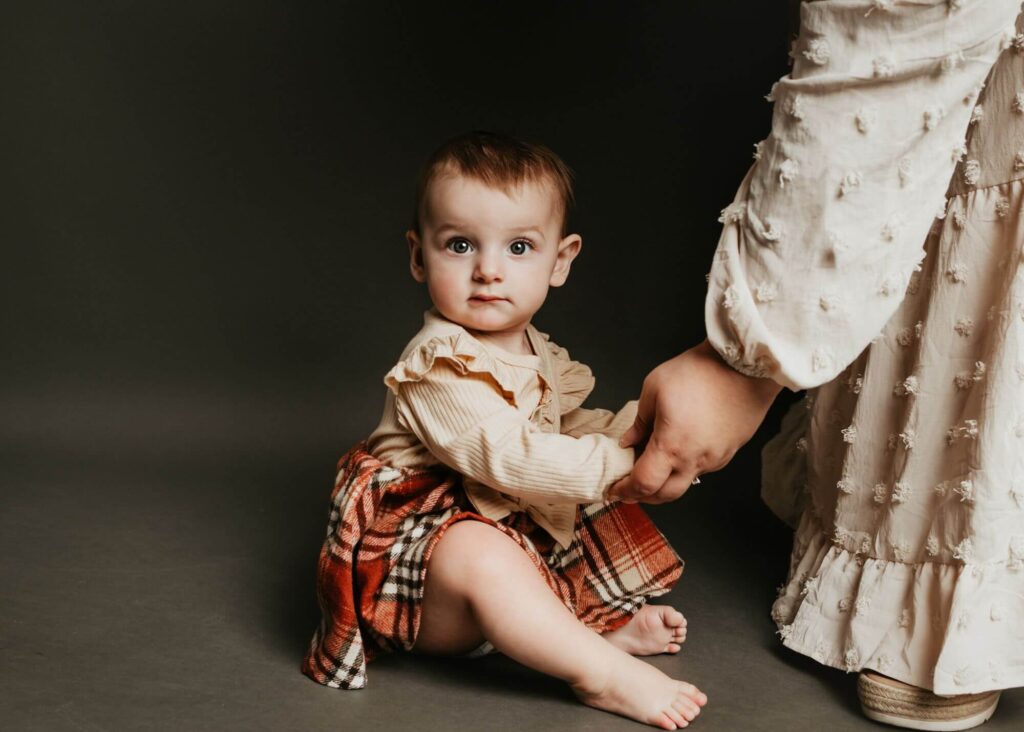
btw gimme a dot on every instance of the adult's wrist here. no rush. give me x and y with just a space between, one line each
765 388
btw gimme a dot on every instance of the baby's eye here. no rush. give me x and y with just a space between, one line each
520 247
458 246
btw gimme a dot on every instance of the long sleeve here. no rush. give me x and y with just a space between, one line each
580 421
468 425
828 226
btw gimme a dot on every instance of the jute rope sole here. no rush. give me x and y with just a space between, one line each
893 702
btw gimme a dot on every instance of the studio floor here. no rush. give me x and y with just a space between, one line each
163 582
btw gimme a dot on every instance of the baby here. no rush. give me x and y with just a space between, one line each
474 519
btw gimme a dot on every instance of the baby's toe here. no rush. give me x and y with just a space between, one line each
697 696
676 619
669 615
677 717
687 708
672 648
665 721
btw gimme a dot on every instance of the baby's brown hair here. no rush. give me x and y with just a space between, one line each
501 161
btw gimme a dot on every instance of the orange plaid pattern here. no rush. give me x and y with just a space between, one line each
383 525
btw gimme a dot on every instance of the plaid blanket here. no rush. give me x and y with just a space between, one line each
383 525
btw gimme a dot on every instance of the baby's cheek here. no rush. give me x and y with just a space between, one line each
441 279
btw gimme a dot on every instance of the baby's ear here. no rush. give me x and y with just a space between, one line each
568 250
419 273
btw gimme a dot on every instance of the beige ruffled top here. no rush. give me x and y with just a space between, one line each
511 424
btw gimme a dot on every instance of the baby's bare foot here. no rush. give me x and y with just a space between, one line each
639 691
654 629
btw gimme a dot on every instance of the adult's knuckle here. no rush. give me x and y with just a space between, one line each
646 490
703 461
667 443
650 380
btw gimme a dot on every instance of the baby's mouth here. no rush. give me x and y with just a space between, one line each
487 298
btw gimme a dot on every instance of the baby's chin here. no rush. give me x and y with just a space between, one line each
488 319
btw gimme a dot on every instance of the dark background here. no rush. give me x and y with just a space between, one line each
204 202
204 280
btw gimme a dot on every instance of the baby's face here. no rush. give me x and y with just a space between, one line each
488 257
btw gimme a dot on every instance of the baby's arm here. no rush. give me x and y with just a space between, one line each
466 423
580 421
576 381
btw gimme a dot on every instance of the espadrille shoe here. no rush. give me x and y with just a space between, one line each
902 705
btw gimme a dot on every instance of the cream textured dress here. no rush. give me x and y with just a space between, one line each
850 265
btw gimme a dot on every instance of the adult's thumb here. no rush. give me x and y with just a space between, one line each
636 434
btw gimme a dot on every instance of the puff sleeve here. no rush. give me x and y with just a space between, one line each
829 224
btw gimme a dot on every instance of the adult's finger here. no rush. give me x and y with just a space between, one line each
641 427
635 434
650 472
638 486
673 488
621 491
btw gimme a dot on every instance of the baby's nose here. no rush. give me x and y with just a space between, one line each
488 269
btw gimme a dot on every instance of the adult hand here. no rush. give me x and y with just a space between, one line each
695 412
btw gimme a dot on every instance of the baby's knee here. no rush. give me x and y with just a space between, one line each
472 552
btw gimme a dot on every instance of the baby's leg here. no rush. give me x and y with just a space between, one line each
482 586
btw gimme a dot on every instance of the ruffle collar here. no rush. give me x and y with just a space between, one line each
566 382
